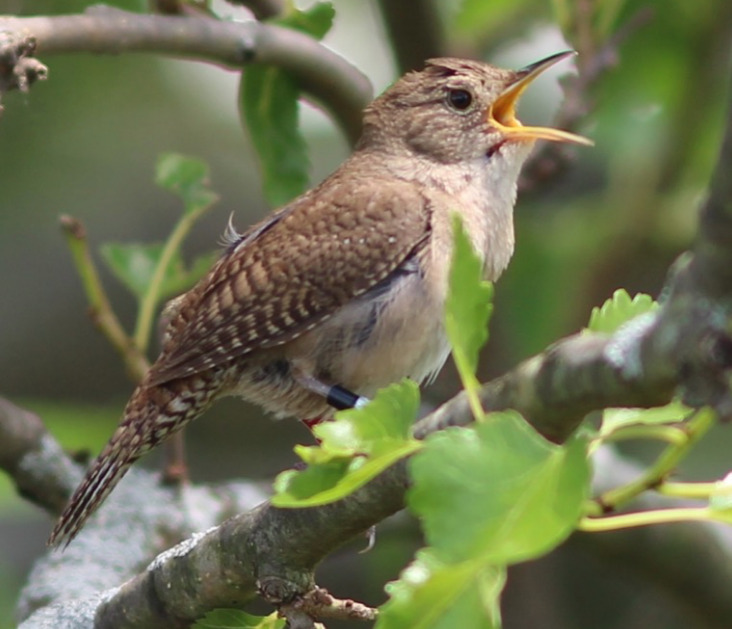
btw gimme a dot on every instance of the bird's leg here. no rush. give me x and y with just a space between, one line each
340 399
175 470
335 395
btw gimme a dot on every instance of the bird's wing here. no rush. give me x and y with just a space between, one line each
293 271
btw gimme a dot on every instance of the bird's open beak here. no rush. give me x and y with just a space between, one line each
502 114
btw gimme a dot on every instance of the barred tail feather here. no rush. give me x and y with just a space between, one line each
104 475
151 415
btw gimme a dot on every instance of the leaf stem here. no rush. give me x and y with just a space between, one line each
100 310
699 491
646 518
146 311
701 421
671 434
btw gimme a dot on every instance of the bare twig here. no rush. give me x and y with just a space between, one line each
320 72
100 310
320 605
18 68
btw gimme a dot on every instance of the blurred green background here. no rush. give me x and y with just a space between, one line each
85 143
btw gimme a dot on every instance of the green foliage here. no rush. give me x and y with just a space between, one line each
236 619
497 492
136 264
187 178
606 319
356 447
478 18
155 271
467 310
619 310
269 106
433 594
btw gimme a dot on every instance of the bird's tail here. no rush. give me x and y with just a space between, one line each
151 415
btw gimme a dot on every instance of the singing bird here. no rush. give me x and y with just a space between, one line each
341 291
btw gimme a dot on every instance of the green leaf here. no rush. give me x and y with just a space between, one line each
236 619
619 310
134 264
315 21
431 594
187 178
356 447
498 491
270 109
269 106
467 309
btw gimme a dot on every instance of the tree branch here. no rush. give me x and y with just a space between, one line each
320 72
33 459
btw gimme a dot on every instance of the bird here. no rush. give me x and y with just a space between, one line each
341 291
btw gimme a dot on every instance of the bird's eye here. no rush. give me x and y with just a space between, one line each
459 99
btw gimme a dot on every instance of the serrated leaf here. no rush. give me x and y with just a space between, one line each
431 594
134 264
269 106
356 447
619 309
384 422
236 619
498 491
187 178
467 307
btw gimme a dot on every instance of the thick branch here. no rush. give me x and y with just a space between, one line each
41 471
320 72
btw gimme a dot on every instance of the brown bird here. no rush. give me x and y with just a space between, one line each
341 291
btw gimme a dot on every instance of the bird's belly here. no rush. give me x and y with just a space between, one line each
386 335
374 342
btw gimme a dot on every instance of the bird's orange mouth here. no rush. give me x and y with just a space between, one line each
502 114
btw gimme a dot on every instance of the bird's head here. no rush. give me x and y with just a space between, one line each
456 110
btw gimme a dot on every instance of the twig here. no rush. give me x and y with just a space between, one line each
666 463
318 604
18 68
100 309
320 72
